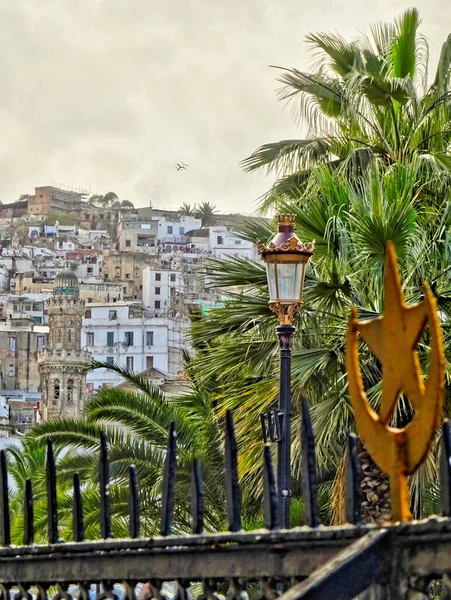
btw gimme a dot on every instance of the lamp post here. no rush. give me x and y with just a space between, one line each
286 259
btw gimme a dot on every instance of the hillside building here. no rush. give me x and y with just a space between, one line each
20 341
124 334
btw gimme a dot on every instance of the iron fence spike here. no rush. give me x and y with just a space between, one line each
77 510
308 468
353 492
270 498
445 469
52 502
4 500
133 503
197 499
28 514
104 479
233 493
167 501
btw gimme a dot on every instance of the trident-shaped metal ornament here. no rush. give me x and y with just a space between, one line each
393 338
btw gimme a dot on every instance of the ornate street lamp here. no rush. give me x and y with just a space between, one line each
286 259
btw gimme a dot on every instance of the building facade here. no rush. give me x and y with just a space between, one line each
62 363
126 269
20 340
124 335
137 234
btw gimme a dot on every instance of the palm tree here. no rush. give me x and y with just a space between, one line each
352 223
207 213
136 420
187 210
366 100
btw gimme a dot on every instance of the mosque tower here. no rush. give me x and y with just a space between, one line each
63 363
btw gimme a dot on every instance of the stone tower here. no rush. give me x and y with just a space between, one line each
62 364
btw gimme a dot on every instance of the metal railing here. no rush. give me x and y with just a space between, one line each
311 561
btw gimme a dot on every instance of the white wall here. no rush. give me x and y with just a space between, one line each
225 243
174 230
100 324
168 279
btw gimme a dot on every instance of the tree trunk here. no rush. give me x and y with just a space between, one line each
375 485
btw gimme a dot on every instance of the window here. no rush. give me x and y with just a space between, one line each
69 335
170 228
128 243
130 363
90 338
110 360
56 389
127 275
157 276
112 315
88 313
12 343
219 239
149 338
40 342
157 304
70 390
129 338
157 291
60 244
89 300
181 230
90 270
149 362
237 241
37 307
172 276
110 338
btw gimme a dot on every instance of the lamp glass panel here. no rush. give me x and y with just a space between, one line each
271 277
289 280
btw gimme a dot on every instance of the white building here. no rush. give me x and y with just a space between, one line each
224 243
172 230
124 334
159 284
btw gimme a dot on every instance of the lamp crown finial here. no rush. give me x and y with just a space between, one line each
285 219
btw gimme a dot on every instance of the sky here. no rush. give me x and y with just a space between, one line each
111 94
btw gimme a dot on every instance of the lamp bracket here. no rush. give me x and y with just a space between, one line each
285 312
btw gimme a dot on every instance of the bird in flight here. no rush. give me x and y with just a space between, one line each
181 166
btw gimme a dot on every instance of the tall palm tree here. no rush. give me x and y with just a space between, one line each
367 99
207 213
352 223
187 210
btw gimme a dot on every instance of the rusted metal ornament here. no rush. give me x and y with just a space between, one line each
393 338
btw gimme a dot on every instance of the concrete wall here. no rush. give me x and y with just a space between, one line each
18 356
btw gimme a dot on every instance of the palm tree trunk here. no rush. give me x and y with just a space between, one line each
375 485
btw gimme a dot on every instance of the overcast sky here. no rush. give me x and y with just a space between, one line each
115 92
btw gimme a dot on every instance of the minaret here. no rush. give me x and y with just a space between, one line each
63 364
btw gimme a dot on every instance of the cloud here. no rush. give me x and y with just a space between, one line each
114 92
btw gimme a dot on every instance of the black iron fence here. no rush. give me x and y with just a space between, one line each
312 561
